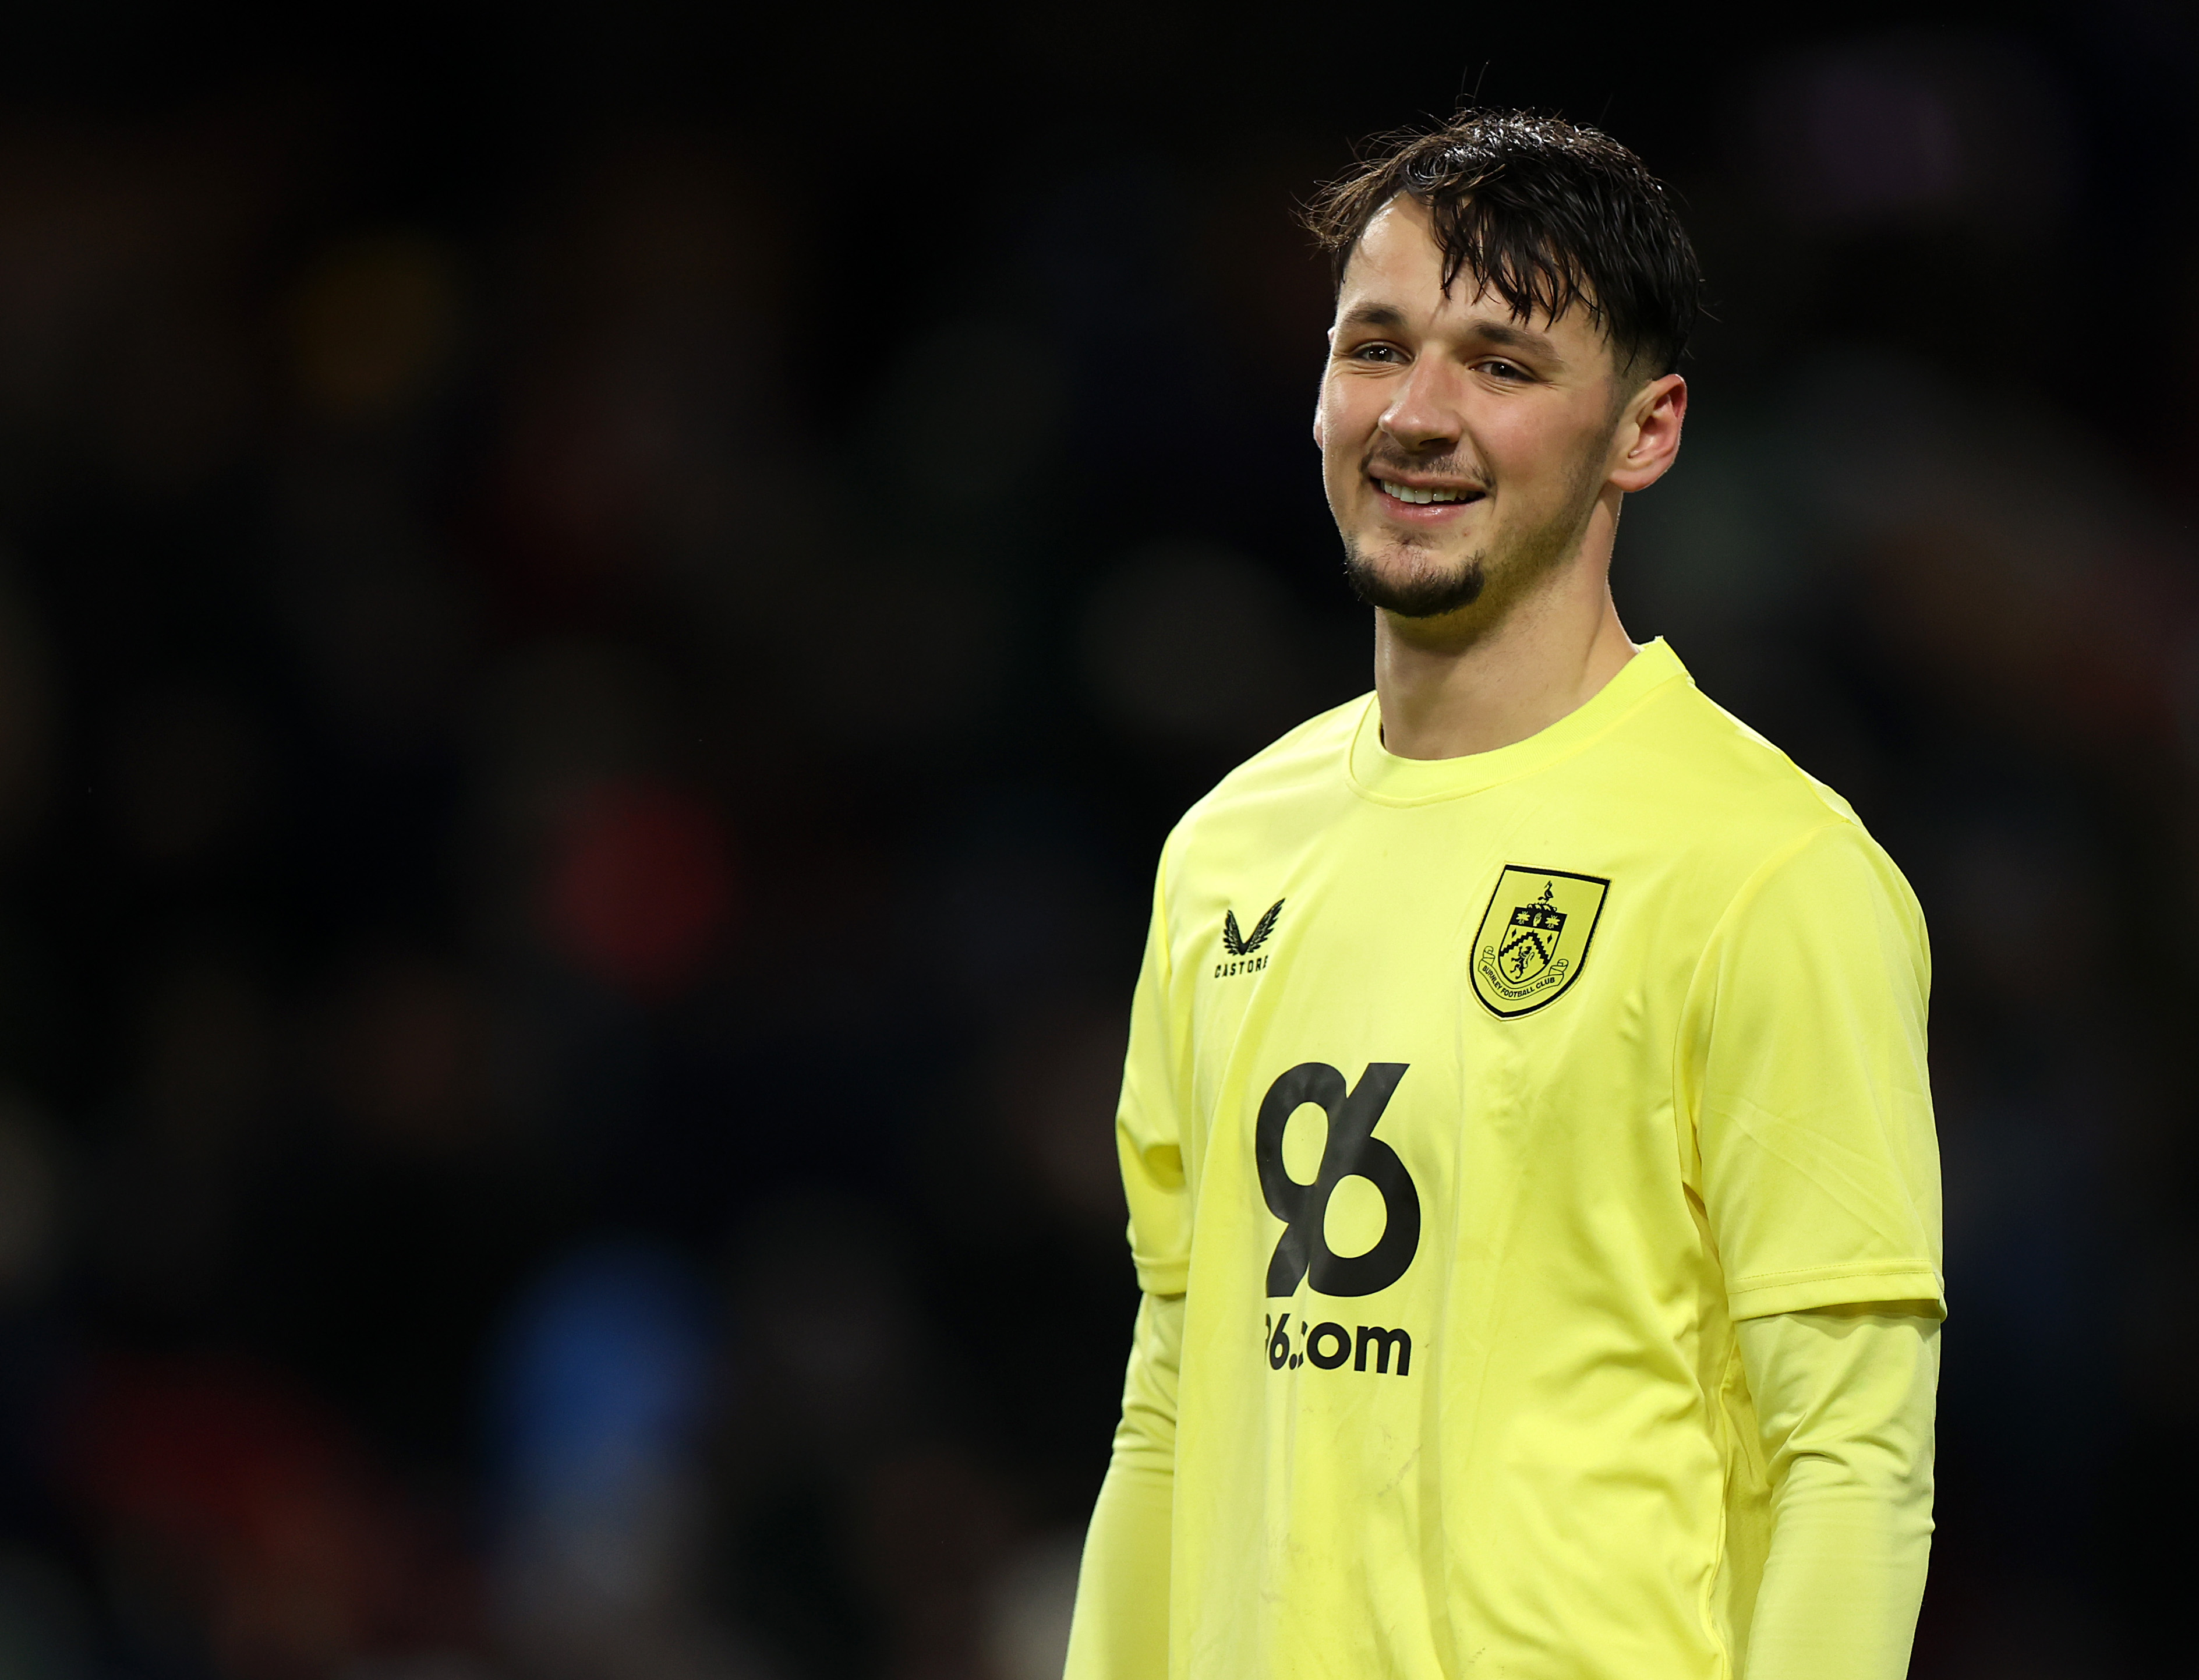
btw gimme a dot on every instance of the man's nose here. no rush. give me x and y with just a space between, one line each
1424 414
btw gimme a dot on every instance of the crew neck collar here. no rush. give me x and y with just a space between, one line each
1381 775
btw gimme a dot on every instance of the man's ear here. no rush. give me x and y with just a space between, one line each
1648 440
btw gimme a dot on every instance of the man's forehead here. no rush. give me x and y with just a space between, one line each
1484 313
1478 310
1394 274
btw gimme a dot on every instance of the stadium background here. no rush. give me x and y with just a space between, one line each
602 613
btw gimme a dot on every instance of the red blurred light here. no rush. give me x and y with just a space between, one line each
640 886
222 1484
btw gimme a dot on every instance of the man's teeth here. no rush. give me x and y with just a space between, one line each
1407 493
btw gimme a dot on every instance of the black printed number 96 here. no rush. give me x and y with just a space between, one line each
1352 1151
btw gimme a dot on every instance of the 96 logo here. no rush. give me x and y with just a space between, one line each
1301 1252
1352 1151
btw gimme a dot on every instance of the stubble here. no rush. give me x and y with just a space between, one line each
1513 564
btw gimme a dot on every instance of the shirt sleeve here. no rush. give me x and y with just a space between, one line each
1802 1070
1844 1399
1120 1628
1149 1121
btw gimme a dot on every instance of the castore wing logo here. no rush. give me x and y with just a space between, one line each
1534 937
1241 945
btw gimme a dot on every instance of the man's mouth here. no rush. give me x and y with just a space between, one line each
1421 495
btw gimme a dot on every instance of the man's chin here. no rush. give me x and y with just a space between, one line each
1416 593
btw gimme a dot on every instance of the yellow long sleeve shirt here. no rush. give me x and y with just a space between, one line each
1534 1139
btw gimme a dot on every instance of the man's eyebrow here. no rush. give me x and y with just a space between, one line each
1514 337
1384 315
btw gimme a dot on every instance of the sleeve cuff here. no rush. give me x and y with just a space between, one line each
1163 1277
1837 1286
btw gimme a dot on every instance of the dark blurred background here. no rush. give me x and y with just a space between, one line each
602 613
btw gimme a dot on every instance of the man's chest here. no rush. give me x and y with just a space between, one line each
1392 1117
1492 994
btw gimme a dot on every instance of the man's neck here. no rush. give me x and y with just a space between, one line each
1449 689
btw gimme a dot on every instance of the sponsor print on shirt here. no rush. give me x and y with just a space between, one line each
1350 1149
1326 1345
1534 938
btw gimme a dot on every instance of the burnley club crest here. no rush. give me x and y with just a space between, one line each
1534 937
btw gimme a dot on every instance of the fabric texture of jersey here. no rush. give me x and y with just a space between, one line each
1470 1102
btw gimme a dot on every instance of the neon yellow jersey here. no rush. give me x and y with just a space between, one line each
1472 1101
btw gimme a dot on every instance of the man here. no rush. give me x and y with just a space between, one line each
1526 1126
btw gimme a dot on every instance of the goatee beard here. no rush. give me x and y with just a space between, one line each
1423 597
1521 559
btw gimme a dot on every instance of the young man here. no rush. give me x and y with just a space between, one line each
1525 1127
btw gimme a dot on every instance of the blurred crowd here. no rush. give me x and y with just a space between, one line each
588 700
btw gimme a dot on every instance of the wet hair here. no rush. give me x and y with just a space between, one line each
1545 214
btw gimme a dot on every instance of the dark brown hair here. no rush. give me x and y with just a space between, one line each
1545 215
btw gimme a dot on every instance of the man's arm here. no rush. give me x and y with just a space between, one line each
1843 1398
1121 1629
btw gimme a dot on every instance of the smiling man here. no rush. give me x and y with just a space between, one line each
1537 1209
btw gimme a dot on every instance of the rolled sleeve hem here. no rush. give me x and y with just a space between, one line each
1837 1286
1163 1277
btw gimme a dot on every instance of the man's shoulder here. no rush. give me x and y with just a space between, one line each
1708 784
1312 758
1698 761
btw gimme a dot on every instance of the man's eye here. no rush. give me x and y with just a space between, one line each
1377 352
1505 370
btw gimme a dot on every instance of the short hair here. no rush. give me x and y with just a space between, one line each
1544 213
